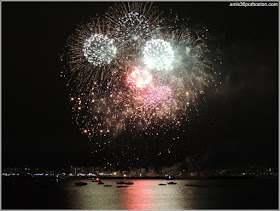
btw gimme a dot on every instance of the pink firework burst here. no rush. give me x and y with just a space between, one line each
139 79
161 96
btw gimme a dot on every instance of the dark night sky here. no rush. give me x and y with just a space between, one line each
36 112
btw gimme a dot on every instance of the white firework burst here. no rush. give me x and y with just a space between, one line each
134 26
158 55
99 49
133 22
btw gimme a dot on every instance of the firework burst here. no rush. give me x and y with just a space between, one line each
139 78
158 55
99 49
90 56
137 72
133 23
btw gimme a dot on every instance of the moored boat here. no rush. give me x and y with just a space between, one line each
80 183
128 183
122 186
172 183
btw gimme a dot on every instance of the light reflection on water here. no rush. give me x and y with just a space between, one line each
144 195
148 195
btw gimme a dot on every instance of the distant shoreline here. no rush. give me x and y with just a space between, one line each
147 178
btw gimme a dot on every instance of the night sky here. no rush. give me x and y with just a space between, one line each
241 122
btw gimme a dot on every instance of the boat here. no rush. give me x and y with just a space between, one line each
125 183
128 183
171 183
100 183
80 183
192 184
106 184
161 183
122 186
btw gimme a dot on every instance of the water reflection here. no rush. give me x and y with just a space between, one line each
139 196
148 195
145 195
92 196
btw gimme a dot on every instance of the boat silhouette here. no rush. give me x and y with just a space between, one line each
80 183
171 183
128 183
125 183
122 186
161 183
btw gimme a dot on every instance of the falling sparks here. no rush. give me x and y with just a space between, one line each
161 96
